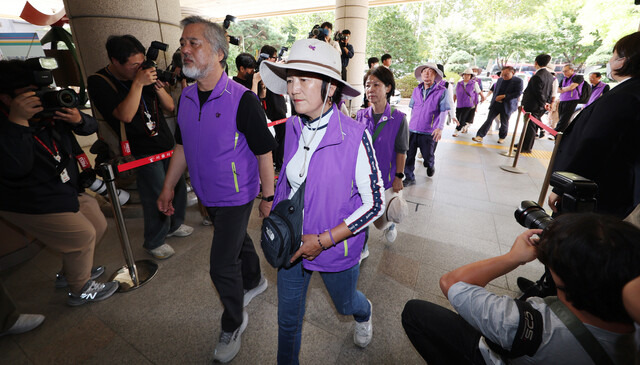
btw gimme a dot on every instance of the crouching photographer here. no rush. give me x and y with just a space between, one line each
39 190
591 258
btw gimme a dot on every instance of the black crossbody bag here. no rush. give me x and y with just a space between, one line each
282 230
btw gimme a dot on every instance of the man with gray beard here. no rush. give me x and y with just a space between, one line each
222 136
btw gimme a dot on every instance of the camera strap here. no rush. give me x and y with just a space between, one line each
528 335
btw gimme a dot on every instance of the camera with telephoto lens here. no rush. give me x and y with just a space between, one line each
318 33
283 49
578 195
339 37
88 179
150 61
225 24
262 57
53 99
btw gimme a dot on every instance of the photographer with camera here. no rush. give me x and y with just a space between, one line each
128 93
275 108
39 190
247 77
586 323
346 49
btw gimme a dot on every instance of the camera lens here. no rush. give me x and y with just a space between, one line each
531 215
67 98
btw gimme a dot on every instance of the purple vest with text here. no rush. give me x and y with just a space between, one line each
425 115
331 194
596 92
385 143
466 95
573 94
223 170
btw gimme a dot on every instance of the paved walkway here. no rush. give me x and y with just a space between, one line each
463 214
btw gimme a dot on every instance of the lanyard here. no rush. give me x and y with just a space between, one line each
56 156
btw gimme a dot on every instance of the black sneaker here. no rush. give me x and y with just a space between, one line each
61 280
93 291
408 182
431 170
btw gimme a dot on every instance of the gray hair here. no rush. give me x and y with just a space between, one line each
571 66
213 33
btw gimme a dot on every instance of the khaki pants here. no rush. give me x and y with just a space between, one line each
74 235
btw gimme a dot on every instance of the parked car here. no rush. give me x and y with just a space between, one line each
395 98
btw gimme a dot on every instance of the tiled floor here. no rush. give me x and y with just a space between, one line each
463 214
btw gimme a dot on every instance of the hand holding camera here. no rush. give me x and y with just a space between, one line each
24 107
524 247
69 115
146 76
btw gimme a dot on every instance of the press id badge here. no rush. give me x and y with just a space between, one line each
64 176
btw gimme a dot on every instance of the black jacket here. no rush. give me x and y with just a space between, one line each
601 144
538 92
29 175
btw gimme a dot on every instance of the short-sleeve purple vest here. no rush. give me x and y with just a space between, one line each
573 94
425 115
466 95
385 143
223 170
331 194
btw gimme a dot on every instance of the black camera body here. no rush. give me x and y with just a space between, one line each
53 99
283 49
317 33
150 61
339 37
225 24
262 57
578 195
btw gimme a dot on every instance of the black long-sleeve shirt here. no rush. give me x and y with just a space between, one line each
29 175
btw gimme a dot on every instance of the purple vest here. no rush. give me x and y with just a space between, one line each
223 170
596 91
386 141
573 94
331 194
425 115
467 96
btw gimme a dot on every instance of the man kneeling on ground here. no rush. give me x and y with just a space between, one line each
591 258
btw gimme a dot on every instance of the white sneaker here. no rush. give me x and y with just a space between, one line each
182 231
390 233
363 332
364 254
162 252
206 221
252 293
229 343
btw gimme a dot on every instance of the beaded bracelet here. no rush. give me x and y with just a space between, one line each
331 236
320 243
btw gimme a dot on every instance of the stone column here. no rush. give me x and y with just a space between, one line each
92 22
353 15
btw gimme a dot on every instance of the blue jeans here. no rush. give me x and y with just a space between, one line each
292 294
156 225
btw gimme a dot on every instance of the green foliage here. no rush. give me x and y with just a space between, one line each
406 84
456 67
460 57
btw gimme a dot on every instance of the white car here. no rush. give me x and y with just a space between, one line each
395 98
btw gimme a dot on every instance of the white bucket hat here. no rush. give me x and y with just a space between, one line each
431 65
309 55
397 209
468 71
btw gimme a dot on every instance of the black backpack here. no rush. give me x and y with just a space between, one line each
282 230
585 92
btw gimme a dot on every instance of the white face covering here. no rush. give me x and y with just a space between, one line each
609 71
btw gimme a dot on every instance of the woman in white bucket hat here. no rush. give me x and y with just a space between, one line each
333 155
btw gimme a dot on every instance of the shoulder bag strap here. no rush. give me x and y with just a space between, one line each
381 125
123 132
298 197
588 342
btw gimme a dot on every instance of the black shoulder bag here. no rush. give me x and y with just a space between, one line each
282 230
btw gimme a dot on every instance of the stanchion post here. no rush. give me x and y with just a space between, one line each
547 176
513 138
134 274
513 168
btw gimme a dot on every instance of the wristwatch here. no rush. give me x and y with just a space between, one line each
267 198
400 175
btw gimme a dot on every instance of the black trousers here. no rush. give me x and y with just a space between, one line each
278 155
531 132
565 111
234 263
440 335
494 111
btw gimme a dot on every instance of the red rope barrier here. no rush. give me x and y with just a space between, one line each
276 122
551 131
144 161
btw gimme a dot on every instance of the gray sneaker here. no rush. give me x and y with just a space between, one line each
252 293
61 280
363 332
93 291
229 343
162 252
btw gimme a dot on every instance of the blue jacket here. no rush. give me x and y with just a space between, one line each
513 92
